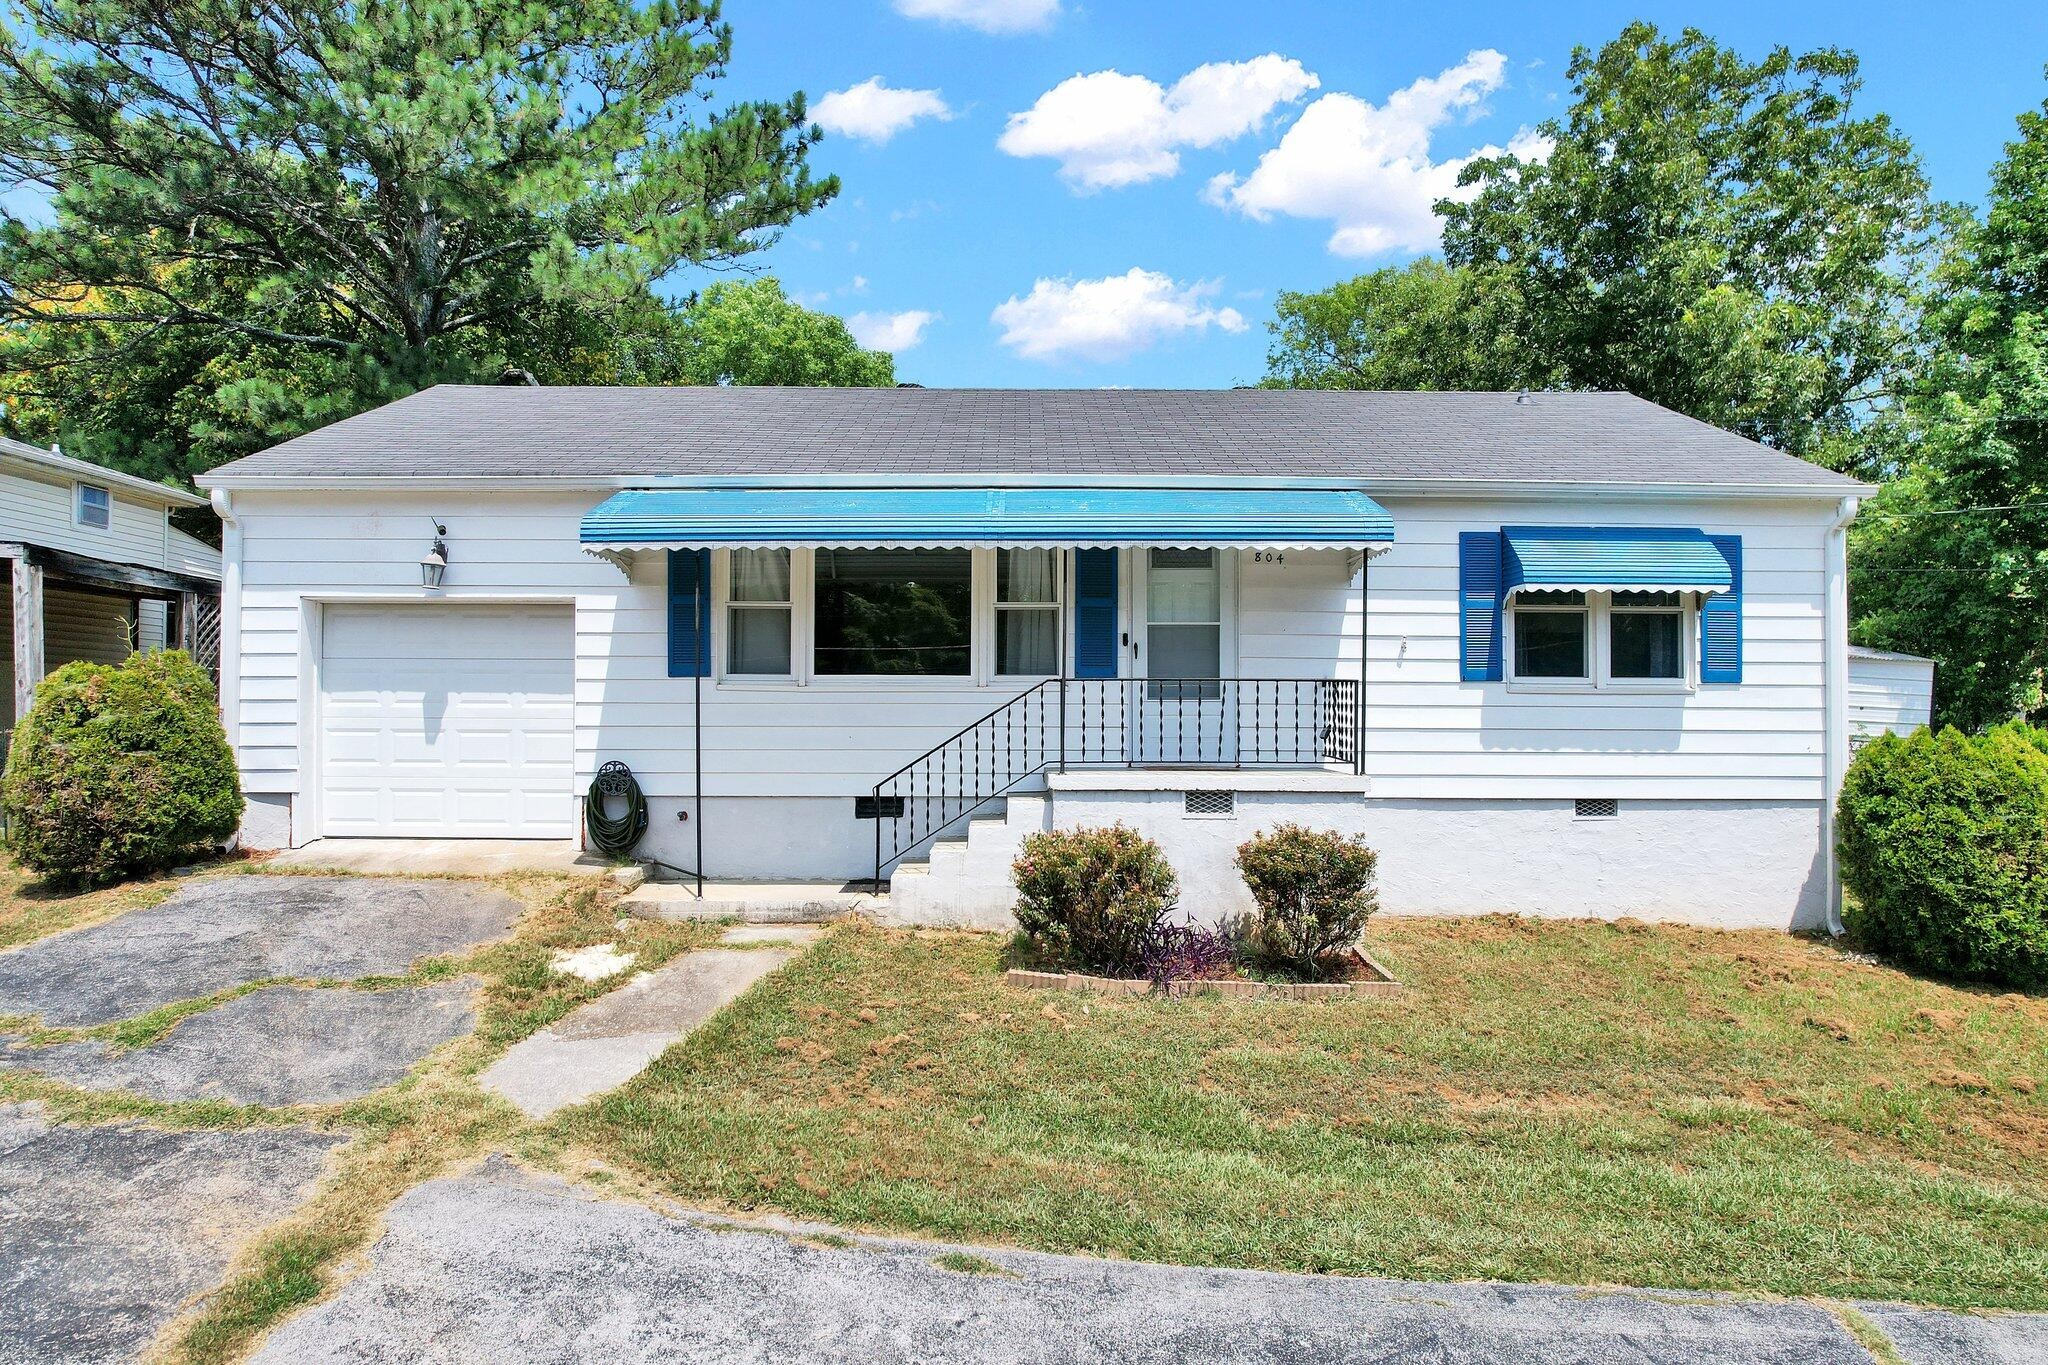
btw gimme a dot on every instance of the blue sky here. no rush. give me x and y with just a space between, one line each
1133 229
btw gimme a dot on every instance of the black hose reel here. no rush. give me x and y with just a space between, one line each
609 834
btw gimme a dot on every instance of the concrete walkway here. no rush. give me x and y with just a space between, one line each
754 902
503 1265
442 857
614 1038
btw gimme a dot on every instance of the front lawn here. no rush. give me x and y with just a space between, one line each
1575 1102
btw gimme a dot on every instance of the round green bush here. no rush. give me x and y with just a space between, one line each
1314 891
1944 846
1093 899
120 769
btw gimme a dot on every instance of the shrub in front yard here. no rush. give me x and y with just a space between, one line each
1315 892
120 769
1093 899
1944 845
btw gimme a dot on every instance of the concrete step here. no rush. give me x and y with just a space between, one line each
754 902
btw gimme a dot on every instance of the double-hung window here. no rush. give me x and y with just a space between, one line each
1027 613
759 614
1646 636
1601 639
1553 636
95 506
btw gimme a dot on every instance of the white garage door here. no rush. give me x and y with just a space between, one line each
447 722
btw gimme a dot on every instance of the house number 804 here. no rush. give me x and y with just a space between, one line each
1269 557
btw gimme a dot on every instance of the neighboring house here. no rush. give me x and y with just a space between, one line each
97 569
1604 648
1888 691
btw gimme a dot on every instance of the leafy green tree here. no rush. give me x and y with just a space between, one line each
1726 237
1417 326
349 199
750 333
1952 560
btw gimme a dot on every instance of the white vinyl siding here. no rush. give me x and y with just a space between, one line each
44 513
1892 692
1430 735
1296 616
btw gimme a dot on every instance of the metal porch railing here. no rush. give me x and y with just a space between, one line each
1201 723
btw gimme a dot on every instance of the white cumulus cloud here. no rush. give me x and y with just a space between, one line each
1109 318
1107 129
990 16
890 331
873 112
1367 167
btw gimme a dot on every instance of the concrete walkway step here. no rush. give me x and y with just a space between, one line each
609 1041
753 902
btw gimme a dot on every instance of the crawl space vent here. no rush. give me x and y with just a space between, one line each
1596 808
1211 803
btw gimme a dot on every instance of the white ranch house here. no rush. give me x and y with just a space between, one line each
1560 654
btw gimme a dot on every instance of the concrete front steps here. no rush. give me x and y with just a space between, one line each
963 879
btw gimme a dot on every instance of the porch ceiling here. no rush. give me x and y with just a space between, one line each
1243 516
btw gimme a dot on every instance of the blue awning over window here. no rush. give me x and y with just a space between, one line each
1248 516
1602 558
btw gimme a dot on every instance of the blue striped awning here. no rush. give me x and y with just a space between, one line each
1254 516
1601 558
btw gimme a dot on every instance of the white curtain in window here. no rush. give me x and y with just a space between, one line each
1027 576
760 575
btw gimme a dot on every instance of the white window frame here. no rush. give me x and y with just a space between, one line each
986 649
722 634
1599 610
78 517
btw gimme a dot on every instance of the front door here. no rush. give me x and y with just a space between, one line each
1183 706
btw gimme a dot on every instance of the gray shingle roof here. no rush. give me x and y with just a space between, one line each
613 433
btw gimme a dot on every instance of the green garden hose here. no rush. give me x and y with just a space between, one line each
614 837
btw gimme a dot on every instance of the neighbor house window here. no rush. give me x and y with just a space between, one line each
95 507
758 613
1551 636
1027 613
1646 635
896 613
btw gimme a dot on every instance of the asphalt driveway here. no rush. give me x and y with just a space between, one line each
212 935
504 1265
105 1231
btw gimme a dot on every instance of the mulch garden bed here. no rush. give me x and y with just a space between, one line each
1368 977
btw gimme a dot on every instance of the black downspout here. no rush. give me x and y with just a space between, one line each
703 661
1066 624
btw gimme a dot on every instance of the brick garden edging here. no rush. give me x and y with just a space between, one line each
1379 982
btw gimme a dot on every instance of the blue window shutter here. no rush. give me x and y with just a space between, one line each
1479 607
1095 613
1721 621
689 613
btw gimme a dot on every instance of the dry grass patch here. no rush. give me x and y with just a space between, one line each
428 1124
1578 1102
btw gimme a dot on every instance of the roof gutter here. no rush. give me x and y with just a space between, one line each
1429 488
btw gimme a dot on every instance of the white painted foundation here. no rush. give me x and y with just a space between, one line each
1727 864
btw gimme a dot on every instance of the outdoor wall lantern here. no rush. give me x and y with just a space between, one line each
435 565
